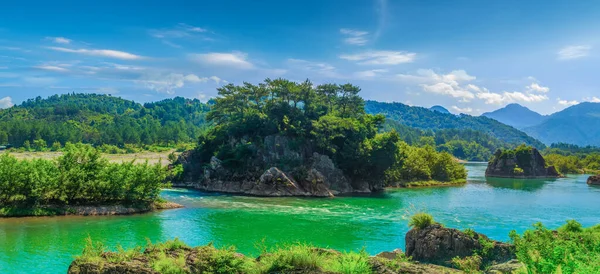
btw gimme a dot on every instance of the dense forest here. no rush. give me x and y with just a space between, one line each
574 159
101 119
425 119
328 118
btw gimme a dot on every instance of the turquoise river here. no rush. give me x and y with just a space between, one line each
376 222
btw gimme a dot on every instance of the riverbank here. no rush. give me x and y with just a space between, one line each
430 183
85 210
138 158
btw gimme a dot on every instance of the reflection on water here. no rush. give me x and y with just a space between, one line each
376 222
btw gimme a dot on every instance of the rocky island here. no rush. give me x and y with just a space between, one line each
523 162
594 180
282 138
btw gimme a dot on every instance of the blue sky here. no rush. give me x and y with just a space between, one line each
469 56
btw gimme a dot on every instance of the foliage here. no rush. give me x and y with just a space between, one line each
328 118
469 264
571 249
425 119
573 159
170 257
101 119
79 176
420 220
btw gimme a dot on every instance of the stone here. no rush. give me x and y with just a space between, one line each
395 254
505 268
438 245
532 165
594 180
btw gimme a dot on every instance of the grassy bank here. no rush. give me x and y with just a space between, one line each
137 157
86 210
176 257
427 183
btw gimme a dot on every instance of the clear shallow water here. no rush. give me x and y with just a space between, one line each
379 222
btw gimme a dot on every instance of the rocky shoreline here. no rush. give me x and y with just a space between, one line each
431 249
104 210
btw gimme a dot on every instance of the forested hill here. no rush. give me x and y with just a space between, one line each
102 119
422 118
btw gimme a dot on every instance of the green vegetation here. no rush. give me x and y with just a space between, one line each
100 119
425 119
469 264
329 119
570 249
79 177
176 257
573 159
421 220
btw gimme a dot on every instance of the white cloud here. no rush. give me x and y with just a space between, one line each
592 99
369 73
573 52
567 102
323 69
451 84
381 57
537 88
6 102
59 40
234 59
510 97
101 52
462 110
180 31
51 68
355 37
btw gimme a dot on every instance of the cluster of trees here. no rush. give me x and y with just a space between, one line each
329 118
101 119
573 159
465 144
79 177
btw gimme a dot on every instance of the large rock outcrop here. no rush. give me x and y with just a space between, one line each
280 168
439 245
523 164
594 180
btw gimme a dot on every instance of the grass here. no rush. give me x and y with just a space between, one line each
431 183
420 220
14 211
153 157
569 249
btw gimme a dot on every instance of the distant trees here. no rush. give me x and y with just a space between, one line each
101 119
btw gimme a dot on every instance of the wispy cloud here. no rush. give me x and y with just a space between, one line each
382 17
369 74
235 59
59 40
354 37
320 68
537 88
592 99
101 53
381 57
505 97
462 110
574 52
181 30
567 102
6 102
51 68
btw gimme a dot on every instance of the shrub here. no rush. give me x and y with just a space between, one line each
470 264
420 220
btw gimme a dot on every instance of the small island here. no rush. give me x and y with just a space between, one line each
594 180
80 182
523 162
281 138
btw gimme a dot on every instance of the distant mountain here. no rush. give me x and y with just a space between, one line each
579 125
439 109
516 115
423 118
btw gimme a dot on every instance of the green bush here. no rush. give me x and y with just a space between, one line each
420 220
470 264
571 249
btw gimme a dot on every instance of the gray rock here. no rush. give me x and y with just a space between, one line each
533 166
594 180
505 268
395 254
438 245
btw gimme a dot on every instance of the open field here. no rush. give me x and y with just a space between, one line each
152 157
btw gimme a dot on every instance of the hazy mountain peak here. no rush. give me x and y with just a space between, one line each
439 108
516 115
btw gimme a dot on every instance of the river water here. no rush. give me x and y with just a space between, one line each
375 222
